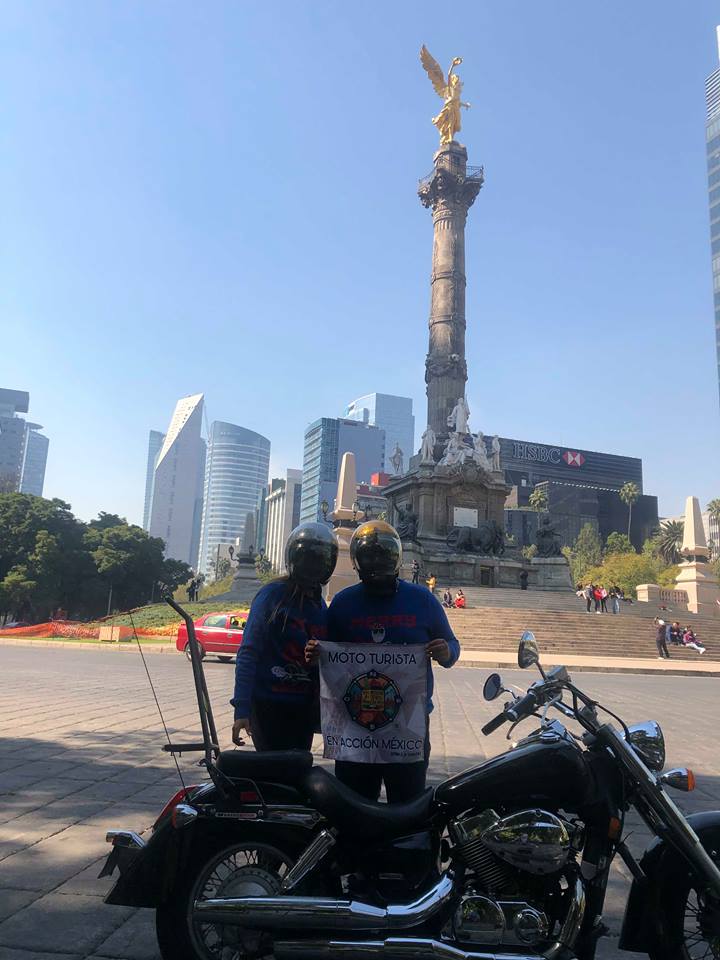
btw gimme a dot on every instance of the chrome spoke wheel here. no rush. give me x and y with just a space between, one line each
245 870
701 927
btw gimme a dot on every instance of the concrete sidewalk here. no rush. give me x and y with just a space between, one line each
468 658
599 664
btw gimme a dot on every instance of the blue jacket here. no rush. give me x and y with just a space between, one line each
270 663
410 615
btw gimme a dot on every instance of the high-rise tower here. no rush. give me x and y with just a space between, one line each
177 483
712 147
236 475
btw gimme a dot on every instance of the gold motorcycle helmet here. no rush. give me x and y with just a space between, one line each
376 554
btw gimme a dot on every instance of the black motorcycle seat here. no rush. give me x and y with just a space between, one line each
281 766
367 819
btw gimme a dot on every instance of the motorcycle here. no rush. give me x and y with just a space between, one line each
509 860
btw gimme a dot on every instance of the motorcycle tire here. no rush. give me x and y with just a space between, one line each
177 938
688 926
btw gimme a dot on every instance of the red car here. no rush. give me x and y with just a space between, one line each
218 633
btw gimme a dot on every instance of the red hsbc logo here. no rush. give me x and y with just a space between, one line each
573 459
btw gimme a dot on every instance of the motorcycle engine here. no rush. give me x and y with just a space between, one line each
515 884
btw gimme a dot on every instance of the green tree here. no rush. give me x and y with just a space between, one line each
538 499
16 590
629 494
44 537
618 543
669 540
129 562
585 553
624 570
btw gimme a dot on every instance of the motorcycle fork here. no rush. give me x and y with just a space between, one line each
595 870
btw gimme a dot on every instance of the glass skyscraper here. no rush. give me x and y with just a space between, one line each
236 476
176 495
392 414
326 440
155 442
712 148
23 449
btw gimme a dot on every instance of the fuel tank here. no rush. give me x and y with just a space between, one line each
549 771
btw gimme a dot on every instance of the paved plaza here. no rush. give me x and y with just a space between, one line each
80 752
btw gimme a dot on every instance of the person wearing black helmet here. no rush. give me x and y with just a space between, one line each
384 609
276 693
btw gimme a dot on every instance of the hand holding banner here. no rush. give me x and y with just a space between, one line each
373 702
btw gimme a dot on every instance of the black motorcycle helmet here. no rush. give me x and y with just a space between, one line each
376 554
311 553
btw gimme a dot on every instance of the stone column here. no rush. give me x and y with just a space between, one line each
449 191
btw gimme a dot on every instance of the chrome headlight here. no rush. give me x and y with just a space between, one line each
648 741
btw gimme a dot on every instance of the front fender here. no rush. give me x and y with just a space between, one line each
660 863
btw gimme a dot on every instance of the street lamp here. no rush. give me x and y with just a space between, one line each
324 506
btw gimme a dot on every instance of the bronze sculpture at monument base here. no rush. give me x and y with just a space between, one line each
451 520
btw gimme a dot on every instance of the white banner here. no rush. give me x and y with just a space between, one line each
373 702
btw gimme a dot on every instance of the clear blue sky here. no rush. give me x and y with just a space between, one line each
221 198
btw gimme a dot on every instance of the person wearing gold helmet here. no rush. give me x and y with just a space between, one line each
383 608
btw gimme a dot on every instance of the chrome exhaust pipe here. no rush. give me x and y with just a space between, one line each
395 948
322 913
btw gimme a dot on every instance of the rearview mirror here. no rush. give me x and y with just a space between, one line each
528 653
493 687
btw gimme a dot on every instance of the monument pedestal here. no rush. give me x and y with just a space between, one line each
702 589
551 573
696 576
344 524
245 584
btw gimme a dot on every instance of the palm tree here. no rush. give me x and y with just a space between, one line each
669 540
538 499
714 511
629 494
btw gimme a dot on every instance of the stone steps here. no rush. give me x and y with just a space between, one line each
579 633
549 600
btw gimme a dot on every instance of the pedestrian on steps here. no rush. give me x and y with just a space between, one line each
588 594
660 639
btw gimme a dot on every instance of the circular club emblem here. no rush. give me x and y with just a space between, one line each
372 700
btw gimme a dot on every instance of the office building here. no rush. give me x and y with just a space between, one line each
34 460
392 414
326 440
712 149
23 449
236 475
155 441
283 515
176 497
581 486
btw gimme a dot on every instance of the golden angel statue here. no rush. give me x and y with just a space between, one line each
448 120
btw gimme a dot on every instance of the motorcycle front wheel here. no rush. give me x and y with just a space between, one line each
243 869
690 925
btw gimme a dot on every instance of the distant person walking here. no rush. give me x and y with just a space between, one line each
431 583
523 579
415 572
597 596
588 594
616 596
603 600
660 639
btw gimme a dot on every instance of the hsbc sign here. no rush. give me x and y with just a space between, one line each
537 453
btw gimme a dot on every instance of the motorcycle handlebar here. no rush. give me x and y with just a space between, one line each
517 710
522 707
493 724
